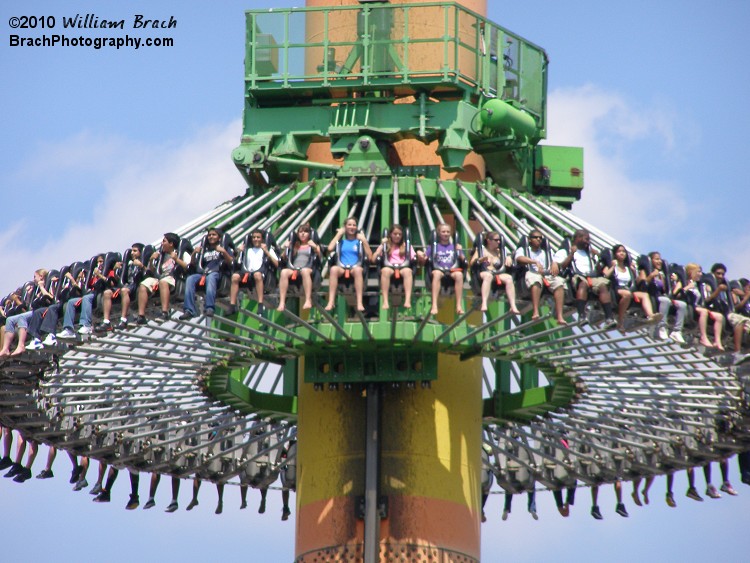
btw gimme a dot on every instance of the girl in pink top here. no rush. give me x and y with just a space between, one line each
396 262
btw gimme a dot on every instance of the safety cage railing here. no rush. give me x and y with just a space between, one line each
397 46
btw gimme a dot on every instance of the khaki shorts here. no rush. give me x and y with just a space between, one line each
153 283
549 281
736 319
596 283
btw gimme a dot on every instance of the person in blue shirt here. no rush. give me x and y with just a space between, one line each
352 249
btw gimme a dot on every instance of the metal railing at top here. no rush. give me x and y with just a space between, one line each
390 46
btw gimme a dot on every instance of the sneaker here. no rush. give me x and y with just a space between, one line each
132 503
596 513
583 321
162 317
141 320
677 337
81 484
5 463
209 312
505 515
193 504
219 508
51 340
610 322
737 357
534 515
186 316
670 500
150 503
122 325
103 327
727 488
655 318
85 330
693 494
14 470
96 489
230 310
36 344
75 474
243 505
45 474
621 510
712 492
285 514
24 474
661 333
102 497
172 506
66 333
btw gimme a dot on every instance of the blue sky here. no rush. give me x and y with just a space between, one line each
102 148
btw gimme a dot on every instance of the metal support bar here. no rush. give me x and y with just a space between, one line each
372 469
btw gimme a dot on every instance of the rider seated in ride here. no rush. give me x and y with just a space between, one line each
739 318
255 260
446 259
302 255
129 273
161 270
582 263
654 277
94 281
210 261
492 265
541 273
694 293
41 297
624 278
350 259
398 258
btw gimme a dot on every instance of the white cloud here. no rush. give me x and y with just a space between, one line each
608 127
146 191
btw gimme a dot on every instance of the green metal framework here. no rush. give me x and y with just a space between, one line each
343 72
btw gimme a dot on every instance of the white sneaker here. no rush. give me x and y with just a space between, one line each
84 330
661 333
66 333
36 344
677 337
50 340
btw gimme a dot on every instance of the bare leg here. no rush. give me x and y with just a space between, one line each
142 299
333 283
21 346
385 286
283 287
559 297
106 304
164 295
258 277
234 289
536 296
510 292
359 283
125 301
407 276
458 285
437 277
307 286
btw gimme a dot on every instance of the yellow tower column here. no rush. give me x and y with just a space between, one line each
430 469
